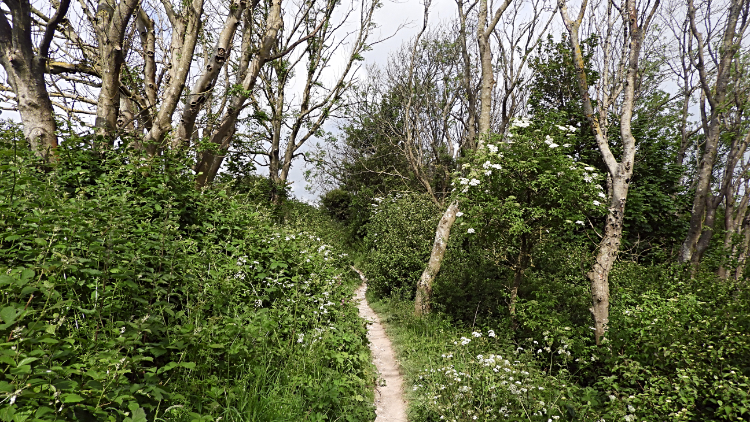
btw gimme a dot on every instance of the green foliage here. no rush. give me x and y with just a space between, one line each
398 243
528 186
130 296
338 204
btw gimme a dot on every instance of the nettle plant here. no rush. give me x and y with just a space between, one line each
520 189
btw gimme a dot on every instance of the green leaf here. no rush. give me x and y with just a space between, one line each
27 361
8 314
71 398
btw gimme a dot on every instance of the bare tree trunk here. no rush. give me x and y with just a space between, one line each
620 172
205 83
25 72
442 234
471 95
715 95
210 162
484 30
110 34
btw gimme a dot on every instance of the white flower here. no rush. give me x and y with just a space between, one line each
473 182
553 145
476 334
491 333
579 222
464 181
597 203
486 164
566 145
470 231
589 168
492 148
548 140
520 122
465 341
602 195
459 214
497 166
488 173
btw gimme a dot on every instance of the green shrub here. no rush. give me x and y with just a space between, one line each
130 296
398 243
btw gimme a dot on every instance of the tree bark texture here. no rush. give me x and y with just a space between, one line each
25 72
110 34
442 234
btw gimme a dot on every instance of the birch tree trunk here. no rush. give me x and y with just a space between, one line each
620 172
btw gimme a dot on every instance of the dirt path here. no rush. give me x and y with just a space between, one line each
389 400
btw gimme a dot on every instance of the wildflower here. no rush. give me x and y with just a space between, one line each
579 222
553 145
465 341
470 231
464 181
602 195
521 122
476 334
597 203
459 214
491 333
566 145
488 173
492 148
474 182
589 168
548 140
486 164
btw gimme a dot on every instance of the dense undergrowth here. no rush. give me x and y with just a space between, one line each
678 347
129 295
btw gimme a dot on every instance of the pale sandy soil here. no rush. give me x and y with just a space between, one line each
389 397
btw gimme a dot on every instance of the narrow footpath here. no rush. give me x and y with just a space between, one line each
389 397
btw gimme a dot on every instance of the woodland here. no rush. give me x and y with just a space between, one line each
548 198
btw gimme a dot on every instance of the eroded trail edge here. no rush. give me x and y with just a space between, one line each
389 395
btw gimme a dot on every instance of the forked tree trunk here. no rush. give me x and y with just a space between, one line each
620 172
442 234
